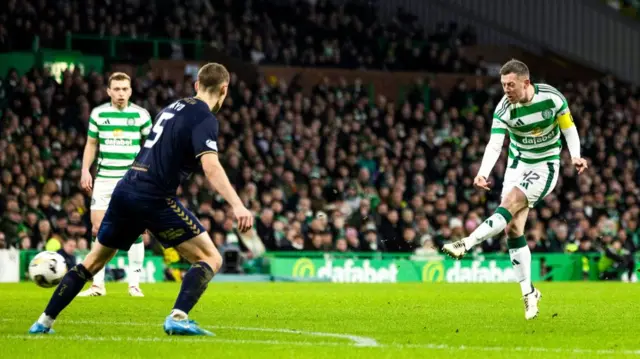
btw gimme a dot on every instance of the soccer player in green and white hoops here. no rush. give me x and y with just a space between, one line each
117 128
533 115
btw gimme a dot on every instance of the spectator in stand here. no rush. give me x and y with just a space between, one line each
319 168
296 33
68 252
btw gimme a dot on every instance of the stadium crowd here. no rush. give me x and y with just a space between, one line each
333 171
301 33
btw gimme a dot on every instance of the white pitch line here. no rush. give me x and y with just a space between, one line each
358 341
169 340
308 343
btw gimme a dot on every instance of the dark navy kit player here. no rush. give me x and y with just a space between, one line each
184 137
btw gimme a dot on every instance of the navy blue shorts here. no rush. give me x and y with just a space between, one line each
129 214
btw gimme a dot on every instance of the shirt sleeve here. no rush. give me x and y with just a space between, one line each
145 128
567 126
205 137
491 153
93 126
561 105
498 126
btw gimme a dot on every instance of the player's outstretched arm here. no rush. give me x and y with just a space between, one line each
570 132
490 157
220 182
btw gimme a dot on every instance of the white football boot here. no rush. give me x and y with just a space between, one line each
531 304
455 249
94 291
135 292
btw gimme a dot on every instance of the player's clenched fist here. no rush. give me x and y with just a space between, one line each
244 218
481 182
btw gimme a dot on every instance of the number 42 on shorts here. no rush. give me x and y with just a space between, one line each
529 178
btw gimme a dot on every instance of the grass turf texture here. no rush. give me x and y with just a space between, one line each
292 320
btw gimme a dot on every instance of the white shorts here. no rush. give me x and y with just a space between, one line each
102 190
536 181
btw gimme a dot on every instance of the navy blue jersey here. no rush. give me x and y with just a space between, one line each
182 132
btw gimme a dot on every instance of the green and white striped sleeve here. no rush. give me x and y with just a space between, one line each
499 124
145 128
93 126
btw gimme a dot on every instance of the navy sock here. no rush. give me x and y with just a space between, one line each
195 282
69 287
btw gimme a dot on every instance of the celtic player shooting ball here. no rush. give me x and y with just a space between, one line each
534 116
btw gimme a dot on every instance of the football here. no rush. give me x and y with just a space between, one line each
47 269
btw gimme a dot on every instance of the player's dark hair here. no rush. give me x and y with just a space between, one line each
118 76
211 76
514 66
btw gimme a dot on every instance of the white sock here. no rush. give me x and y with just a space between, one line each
98 278
177 314
46 320
625 277
136 258
521 261
491 227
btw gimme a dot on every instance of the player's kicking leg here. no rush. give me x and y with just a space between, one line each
514 202
205 262
71 285
524 188
521 261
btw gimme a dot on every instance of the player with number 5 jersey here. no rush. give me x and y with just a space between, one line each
534 116
183 139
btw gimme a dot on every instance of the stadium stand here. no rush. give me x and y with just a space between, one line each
334 170
626 7
289 33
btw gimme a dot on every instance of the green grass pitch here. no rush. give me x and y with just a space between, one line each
322 320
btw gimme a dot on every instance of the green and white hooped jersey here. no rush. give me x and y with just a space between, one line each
533 128
119 133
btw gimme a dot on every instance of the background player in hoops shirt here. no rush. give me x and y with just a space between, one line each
184 138
116 130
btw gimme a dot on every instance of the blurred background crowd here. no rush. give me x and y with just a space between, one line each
334 170
626 7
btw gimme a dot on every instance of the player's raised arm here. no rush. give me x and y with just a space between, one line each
570 132
493 149
89 155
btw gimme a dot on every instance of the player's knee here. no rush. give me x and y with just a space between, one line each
512 230
214 260
207 254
